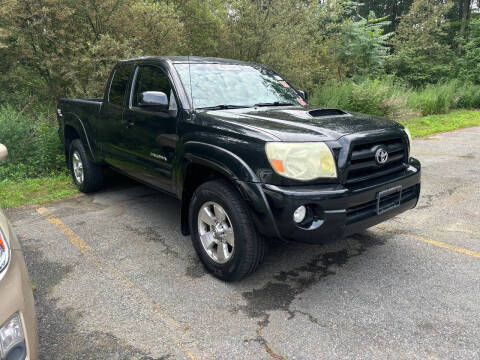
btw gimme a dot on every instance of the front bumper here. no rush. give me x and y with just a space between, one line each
16 297
338 211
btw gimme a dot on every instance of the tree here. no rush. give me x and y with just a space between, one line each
469 64
277 33
393 9
465 12
71 45
204 23
421 53
355 45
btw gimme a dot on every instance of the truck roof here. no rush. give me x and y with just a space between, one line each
186 59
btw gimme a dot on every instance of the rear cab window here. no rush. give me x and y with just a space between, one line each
119 84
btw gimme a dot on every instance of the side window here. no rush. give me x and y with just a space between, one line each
119 84
150 78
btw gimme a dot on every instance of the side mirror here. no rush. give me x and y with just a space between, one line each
3 152
303 94
156 99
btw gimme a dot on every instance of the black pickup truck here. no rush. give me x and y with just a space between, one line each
244 152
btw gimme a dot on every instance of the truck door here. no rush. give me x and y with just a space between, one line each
151 135
111 126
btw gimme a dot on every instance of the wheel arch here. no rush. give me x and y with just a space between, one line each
75 129
204 162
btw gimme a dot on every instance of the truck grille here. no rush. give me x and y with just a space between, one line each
363 166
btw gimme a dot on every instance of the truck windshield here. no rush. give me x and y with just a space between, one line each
231 85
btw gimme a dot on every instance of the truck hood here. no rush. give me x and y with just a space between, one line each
301 123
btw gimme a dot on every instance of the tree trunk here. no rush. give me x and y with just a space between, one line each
465 19
393 16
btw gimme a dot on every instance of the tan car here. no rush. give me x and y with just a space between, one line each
18 325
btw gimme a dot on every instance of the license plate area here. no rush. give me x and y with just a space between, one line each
389 199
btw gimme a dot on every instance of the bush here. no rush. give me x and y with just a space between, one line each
33 144
469 97
384 97
434 99
380 97
441 98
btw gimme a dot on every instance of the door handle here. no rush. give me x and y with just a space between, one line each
130 123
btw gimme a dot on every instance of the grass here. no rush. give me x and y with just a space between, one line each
387 97
427 125
36 191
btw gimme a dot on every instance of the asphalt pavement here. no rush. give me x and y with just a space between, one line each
115 279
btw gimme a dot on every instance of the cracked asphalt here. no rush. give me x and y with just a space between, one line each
115 279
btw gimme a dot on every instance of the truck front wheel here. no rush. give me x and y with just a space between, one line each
87 176
222 231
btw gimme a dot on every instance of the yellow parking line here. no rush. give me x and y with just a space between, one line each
84 248
433 242
76 240
445 245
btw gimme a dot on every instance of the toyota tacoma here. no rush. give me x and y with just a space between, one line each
244 152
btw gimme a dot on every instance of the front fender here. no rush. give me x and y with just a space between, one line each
239 173
220 159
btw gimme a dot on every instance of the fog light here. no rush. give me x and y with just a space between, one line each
299 214
12 339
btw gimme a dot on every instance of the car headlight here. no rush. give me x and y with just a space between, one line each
12 340
301 161
4 251
409 141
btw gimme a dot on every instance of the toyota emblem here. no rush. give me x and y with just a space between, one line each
381 156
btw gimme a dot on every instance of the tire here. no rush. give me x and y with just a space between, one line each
249 247
91 178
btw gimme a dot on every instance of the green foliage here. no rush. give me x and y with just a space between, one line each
371 96
33 144
457 119
391 9
355 45
468 97
72 44
384 97
36 191
203 26
277 33
59 48
421 55
441 98
433 99
469 64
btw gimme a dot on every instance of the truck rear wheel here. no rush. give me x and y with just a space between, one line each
87 176
223 234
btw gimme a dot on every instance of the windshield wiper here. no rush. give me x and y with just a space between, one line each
222 107
275 103
225 106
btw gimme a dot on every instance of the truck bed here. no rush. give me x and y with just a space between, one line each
83 108
82 115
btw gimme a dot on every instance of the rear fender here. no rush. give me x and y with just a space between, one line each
76 123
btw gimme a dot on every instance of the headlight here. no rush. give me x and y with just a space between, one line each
409 141
301 161
4 251
12 340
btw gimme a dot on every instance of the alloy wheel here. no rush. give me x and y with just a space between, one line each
77 167
216 232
